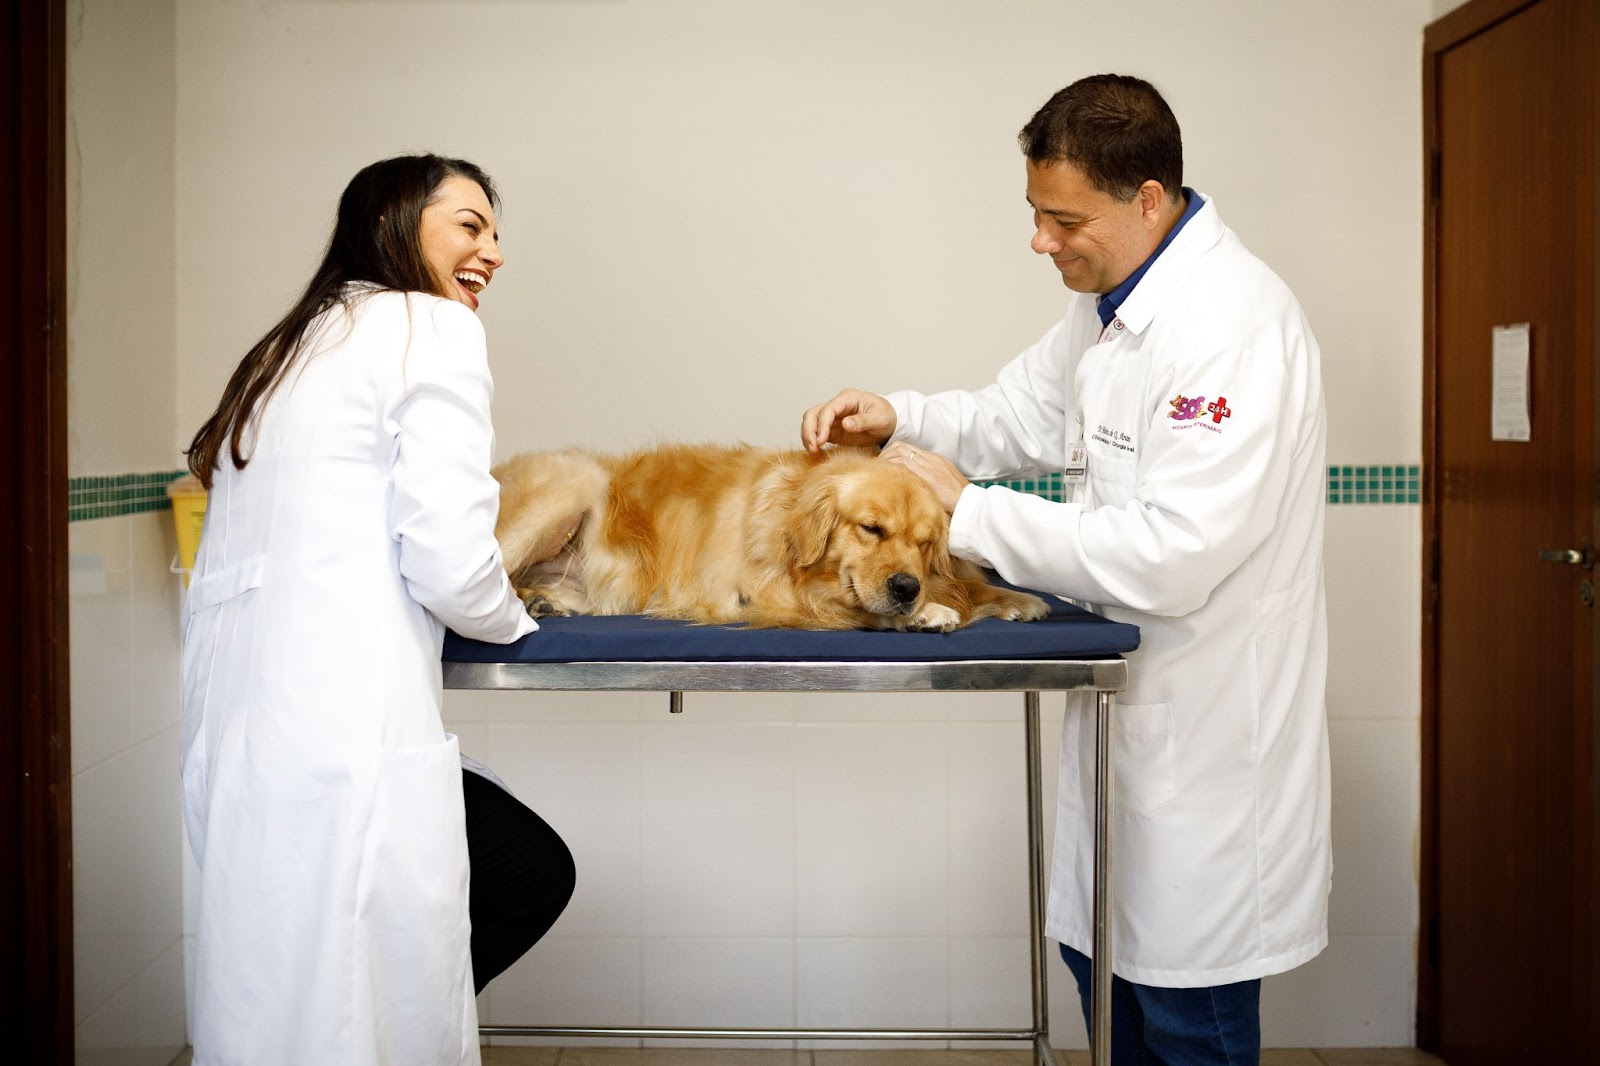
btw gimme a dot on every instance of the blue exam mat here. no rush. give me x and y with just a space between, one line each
1067 632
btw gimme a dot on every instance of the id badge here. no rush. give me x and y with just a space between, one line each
1077 467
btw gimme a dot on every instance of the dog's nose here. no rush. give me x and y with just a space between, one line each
904 587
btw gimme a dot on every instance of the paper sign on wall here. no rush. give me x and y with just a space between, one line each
1509 418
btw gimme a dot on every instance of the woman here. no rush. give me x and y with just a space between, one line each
350 519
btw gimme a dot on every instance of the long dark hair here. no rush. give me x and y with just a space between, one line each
376 239
1116 128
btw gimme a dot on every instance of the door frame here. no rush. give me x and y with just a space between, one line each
1440 36
35 762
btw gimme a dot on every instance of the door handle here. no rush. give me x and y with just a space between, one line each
1569 556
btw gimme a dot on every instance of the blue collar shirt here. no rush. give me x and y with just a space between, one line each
1107 306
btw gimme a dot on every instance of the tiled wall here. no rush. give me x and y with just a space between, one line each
769 860
127 841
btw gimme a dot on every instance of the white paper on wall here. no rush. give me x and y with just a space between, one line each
1509 418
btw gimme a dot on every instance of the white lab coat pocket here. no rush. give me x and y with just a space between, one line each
1111 477
1144 775
412 909
219 586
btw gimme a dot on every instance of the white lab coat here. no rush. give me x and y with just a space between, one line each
1206 533
321 793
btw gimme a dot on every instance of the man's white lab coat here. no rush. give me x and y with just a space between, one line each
321 792
1199 520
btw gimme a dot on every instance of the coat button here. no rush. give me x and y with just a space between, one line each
1117 324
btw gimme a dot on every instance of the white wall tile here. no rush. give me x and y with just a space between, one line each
153 694
991 983
1375 821
158 846
839 708
570 980
718 871
1373 574
872 830
1360 992
743 708
988 829
100 624
718 835
872 983
530 707
107 948
143 1023
741 983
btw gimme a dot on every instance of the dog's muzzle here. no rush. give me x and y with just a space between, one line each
904 588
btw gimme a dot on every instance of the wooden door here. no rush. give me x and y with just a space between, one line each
1509 801
36 1007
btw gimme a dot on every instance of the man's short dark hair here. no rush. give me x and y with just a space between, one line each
1115 128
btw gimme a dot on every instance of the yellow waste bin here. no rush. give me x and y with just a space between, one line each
188 515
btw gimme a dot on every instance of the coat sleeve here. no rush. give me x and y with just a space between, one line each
1012 428
444 500
1205 495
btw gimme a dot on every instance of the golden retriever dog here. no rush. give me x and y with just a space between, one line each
764 537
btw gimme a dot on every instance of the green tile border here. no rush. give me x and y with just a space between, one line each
1049 486
110 495
1391 483
1375 484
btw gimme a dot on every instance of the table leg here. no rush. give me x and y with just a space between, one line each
1039 946
1100 994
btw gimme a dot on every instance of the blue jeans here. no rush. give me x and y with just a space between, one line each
1151 1026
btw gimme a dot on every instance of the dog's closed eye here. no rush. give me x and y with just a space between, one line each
872 530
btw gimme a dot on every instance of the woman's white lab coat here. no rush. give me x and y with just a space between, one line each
1200 520
321 793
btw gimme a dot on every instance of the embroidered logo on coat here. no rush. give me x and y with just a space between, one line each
1194 409
1186 407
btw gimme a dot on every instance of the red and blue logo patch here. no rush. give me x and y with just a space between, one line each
1196 409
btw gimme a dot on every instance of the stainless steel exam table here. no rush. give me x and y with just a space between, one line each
1071 650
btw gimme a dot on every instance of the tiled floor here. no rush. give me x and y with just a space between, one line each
520 1056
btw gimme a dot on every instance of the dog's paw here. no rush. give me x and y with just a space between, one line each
1020 607
934 617
539 606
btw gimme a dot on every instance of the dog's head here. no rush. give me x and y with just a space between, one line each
875 524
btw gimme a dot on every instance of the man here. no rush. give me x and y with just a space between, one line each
1181 399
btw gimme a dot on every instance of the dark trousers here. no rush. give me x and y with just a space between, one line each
1215 1026
522 877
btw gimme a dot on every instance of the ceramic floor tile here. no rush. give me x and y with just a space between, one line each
1283 1056
924 1058
681 1057
521 1056
1359 1056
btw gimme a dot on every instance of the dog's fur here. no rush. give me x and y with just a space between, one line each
739 534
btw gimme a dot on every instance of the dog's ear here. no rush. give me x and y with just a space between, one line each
816 511
939 561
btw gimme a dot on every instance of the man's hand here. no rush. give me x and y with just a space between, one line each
931 467
852 417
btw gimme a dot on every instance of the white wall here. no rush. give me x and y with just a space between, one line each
715 213
121 314
127 844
